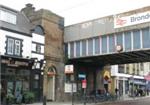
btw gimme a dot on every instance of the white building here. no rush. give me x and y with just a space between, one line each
128 76
19 43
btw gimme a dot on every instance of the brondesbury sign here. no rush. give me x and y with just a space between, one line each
131 20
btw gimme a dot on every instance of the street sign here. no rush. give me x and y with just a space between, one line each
69 69
84 83
82 76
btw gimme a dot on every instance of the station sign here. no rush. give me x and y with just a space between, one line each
131 19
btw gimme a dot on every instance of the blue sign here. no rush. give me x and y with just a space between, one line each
82 76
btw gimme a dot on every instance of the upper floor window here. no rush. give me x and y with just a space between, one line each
13 46
8 17
39 30
38 48
121 68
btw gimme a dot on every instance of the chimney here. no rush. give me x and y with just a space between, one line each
28 10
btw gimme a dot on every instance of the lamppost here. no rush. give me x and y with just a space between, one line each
41 65
0 61
133 85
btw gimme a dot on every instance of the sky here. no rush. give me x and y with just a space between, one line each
76 11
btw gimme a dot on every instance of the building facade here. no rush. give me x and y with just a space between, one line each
93 46
53 26
28 38
15 50
128 77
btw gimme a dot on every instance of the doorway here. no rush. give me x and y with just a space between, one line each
51 84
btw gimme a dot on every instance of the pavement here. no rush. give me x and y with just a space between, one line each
100 103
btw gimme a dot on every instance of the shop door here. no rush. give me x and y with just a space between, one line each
18 88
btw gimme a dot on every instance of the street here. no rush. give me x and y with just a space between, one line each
142 101
137 101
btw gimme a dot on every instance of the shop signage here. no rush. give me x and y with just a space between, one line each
69 69
131 20
15 63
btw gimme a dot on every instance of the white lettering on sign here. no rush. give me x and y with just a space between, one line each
131 20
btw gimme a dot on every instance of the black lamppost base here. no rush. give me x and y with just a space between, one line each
44 100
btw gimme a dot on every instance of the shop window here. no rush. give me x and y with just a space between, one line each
14 46
35 84
126 87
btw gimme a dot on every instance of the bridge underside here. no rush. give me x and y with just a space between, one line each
117 58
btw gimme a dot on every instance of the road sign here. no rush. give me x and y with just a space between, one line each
84 83
82 76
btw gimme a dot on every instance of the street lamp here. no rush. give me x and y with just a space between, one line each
43 71
133 85
0 61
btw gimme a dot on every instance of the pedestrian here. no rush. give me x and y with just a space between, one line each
116 91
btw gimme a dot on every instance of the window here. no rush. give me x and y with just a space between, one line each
97 45
17 47
90 46
104 44
7 17
126 87
121 68
13 46
119 39
127 41
78 48
111 43
39 30
84 48
10 46
136 39
146 38
38 48
127 69
72 49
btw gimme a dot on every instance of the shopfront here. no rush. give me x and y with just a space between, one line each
15 76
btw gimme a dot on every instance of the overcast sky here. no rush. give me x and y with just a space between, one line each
75 11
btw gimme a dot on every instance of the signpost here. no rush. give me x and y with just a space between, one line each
69 69
84 85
